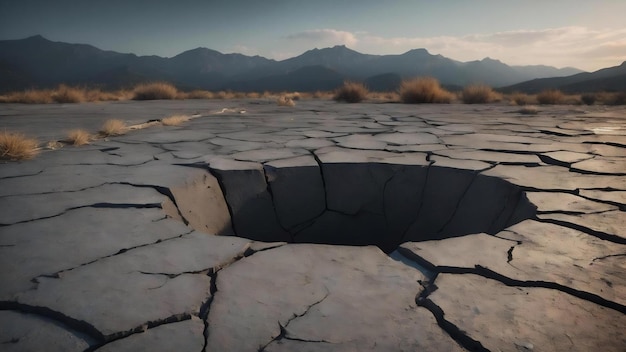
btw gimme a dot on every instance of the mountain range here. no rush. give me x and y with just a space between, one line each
37 62
611 79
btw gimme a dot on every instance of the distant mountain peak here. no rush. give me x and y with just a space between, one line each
418 51
37 38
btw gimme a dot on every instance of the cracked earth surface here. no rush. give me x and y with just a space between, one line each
472 228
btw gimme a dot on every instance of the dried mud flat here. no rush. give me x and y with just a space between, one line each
247 229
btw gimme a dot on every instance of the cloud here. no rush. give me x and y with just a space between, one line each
565 46
576 46
325 37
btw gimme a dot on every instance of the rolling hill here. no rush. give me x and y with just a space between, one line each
611 79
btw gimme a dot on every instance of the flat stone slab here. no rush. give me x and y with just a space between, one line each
528 319
253 227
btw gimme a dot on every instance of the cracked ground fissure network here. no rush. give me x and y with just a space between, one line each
466 250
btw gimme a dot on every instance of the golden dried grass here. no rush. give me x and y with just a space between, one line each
68 95
423 90
384 96
174 120
612 98
351 92
285 101
199 94
550 97
113 127
520 99
93 95
31 96
224 95
478 94
155 91
78 137
16 146
528 110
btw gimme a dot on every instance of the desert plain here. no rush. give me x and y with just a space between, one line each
319 227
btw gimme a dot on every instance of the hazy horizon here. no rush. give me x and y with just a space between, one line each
575 33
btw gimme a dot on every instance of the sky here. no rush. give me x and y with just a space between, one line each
585 34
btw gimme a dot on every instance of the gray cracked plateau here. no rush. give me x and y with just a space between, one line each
323 227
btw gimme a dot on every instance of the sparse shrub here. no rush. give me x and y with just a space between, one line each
98 95
616 98
113 127
520 99
423 90
31 96
253 95
199 94
224 95
550 97
477 94
384 96
351 92
285 101
588 98
155 91
528 110
322 95
53 145
16 146
78 137
65 94
174 120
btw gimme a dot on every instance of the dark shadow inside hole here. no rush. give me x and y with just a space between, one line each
368 203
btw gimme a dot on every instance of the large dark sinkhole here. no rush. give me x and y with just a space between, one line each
359 204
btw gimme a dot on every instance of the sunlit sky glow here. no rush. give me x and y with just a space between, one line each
580 33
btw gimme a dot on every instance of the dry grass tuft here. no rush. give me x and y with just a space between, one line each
351 92
113 127
53 145
175 120
384 96
224 95
16 146
322 95
588 98
30 96
98 95
423 90
199 94
155 91
78 137
528 110
65 94
285 101
550 97
478 94
618 98
520 99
